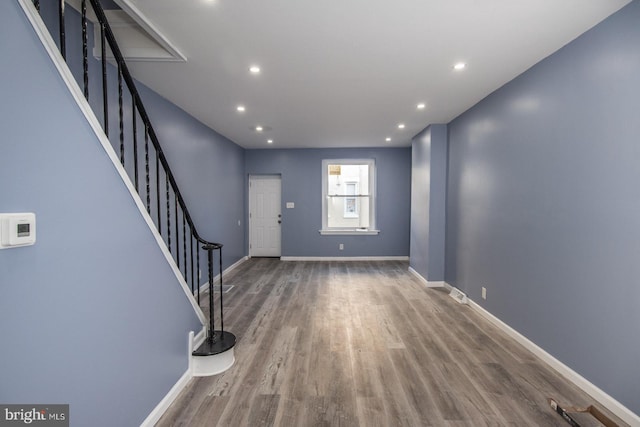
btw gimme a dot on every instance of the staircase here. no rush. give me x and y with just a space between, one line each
109 91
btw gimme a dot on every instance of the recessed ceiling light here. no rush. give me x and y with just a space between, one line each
459 66
421 106
254 69
240 108
261 128
269 141
401 126
387 139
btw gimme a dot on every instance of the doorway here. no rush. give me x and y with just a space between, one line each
265 215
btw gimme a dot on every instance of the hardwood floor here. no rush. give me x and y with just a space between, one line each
365 344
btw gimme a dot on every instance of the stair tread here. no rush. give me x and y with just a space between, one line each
223 341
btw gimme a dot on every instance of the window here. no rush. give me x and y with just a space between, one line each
348 196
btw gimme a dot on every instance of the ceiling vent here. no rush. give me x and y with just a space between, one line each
138 38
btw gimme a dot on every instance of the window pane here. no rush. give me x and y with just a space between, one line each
350 212
341 176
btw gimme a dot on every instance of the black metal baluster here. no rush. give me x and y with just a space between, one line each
184 244
105 103
212 324
135 142
158 193
63 42
166 178
120 115
198 268
85 52
221 310
146 166
175 203
191 258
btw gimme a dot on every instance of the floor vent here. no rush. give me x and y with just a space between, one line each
458 295
225 289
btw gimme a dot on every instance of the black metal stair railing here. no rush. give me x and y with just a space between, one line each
159 190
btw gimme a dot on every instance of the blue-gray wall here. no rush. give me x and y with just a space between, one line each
91 315
209 169
428 202
301 172
544 204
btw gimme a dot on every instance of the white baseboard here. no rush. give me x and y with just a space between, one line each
164 404
345 258
216 278
166 401
193 341
427 283
602 397
235 264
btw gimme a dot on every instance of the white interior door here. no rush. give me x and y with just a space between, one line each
265 215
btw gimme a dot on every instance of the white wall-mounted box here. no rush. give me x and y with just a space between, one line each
17 229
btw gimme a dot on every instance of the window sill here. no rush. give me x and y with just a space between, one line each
349 232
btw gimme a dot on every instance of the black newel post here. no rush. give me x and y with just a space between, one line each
212 326
217 341
221 294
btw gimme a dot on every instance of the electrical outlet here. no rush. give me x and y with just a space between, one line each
484 293
341 246
199 274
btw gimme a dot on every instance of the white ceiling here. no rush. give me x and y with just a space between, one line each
345 73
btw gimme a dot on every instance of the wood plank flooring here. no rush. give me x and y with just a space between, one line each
364 344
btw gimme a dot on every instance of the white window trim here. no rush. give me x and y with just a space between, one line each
350 232
372 230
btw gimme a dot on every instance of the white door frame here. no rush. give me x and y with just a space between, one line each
275 246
